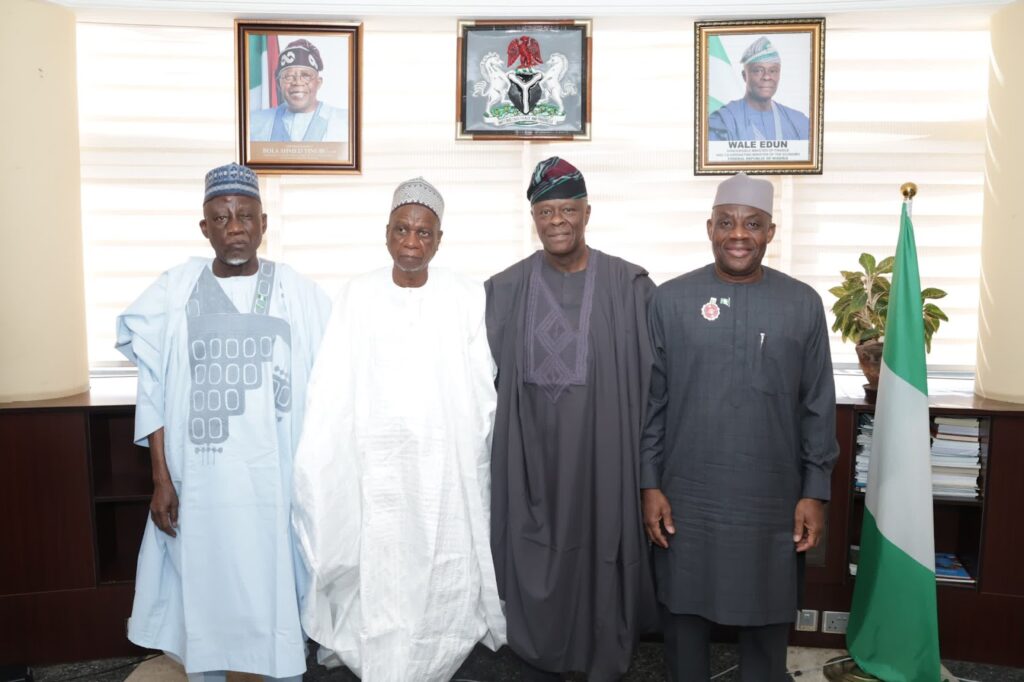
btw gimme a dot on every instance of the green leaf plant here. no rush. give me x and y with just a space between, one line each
862 303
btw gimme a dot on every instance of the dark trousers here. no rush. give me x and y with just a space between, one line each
687 642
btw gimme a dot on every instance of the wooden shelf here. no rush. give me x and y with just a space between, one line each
979 621
940 499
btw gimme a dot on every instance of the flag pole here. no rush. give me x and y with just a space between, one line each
909 191
843 668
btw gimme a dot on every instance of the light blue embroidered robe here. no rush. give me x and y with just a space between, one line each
229 390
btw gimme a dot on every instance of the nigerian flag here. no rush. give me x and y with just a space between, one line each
724 85
263 53
893 629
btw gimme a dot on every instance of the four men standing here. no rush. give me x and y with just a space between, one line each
394 512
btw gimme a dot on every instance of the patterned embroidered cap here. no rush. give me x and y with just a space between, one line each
746 191
418 191
761 50
300 52
556 178
231 179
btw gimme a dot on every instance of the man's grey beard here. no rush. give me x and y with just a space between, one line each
235 262
418 268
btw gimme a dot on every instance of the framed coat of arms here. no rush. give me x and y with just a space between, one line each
524 79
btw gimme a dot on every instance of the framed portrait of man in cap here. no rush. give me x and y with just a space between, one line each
298 89
759 96
523 79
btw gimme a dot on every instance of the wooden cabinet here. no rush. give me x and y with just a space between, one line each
983 621
122 485
74 496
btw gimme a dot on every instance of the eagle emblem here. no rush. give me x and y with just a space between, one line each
531 94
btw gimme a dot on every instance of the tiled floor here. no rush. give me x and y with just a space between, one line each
486 666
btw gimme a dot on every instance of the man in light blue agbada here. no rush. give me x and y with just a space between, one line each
224 348
302 117
758 116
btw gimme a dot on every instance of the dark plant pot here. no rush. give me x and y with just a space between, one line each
869 355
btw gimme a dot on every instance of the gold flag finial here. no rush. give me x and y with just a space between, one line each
908 190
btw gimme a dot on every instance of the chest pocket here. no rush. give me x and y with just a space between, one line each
777 362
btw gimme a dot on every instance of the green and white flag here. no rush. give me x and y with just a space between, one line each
259 91
724 82
263 54
893 629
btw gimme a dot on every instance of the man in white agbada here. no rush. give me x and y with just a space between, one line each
392 479
224 349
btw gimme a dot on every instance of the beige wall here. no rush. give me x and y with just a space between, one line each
1001 320
42 347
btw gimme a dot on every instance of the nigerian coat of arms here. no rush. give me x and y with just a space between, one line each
530 94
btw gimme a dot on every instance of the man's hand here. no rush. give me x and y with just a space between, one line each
657 511
164 508
808 522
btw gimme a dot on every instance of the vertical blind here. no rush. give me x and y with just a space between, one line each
157 110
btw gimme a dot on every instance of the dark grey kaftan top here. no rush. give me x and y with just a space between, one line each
740 426
570 556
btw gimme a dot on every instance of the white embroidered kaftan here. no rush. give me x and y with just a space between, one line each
392 481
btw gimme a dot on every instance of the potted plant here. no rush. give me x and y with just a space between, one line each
861 308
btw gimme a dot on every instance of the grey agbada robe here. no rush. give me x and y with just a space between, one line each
570 555
741 425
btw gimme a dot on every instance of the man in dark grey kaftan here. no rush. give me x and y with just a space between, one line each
739 444
568 332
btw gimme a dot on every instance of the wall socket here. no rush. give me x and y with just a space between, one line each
834 622
807 620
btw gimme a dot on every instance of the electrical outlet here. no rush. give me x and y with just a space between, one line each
834 622
807 620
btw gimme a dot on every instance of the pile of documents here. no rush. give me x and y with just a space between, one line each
956 456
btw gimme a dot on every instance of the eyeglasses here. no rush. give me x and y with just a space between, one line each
304 78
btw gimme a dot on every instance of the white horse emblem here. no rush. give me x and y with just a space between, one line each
500 110
495 85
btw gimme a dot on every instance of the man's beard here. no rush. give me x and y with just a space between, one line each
419 268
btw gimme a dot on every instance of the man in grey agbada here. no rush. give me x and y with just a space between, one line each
568 331
739 445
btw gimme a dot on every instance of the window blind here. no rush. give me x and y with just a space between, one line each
157 110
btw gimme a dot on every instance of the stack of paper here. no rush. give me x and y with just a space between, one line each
955 455
865 430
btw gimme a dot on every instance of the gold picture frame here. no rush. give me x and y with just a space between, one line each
744 71
299 88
